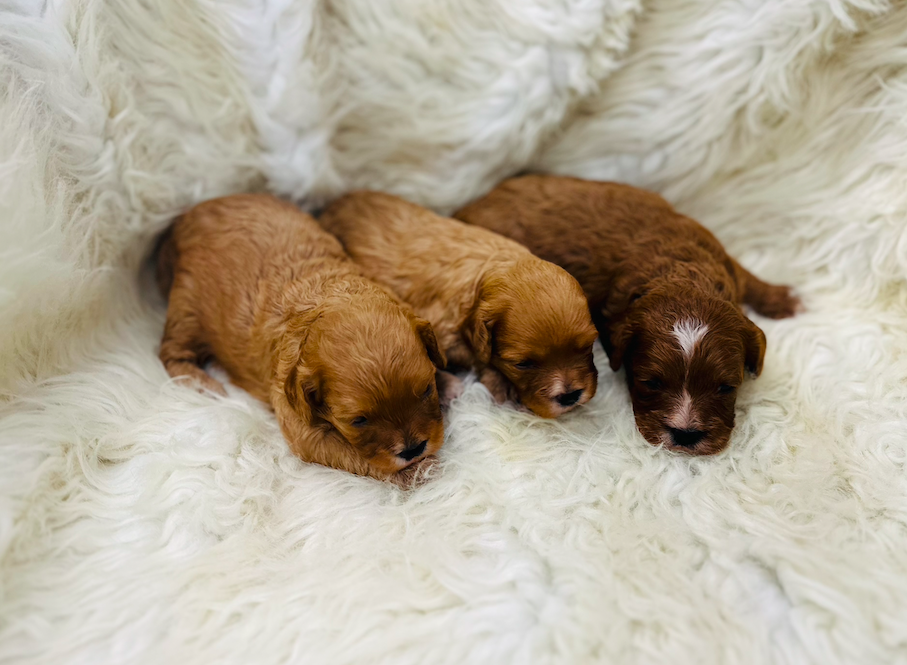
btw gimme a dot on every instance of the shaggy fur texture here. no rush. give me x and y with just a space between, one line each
520 322
258 286
142 522
663 292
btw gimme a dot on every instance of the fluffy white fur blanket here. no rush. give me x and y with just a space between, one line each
143 523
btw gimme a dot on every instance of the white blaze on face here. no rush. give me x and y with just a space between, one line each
689 333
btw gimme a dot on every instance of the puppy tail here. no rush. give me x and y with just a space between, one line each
771 300
165 262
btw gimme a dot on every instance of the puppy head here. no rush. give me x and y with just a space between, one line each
531 323
369 373
685 358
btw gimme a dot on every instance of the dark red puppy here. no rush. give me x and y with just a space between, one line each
662 291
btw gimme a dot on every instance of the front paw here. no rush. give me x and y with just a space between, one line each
204 384
417 474
450 387
497 384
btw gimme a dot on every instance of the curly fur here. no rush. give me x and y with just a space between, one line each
651 275
256 284
519 321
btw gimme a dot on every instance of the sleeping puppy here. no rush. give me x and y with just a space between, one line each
662 291
521 322
350 373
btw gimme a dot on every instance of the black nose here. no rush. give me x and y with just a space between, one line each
569 399
687 437
413 451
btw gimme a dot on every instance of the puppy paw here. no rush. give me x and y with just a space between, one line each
207 384
497 384
450 387
201 382
416 475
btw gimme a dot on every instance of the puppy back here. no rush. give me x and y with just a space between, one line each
364 216
370 223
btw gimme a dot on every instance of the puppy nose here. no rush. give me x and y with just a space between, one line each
569 399
687 437
413 451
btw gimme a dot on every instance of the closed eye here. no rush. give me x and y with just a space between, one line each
652 384
526 364
725 389
361 421
428 391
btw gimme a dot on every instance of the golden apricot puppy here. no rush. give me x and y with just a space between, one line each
665 295
521 322
350 372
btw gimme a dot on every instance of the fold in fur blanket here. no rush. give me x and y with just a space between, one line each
141 522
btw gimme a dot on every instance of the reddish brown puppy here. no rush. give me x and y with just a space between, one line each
663 292
521 322
348 370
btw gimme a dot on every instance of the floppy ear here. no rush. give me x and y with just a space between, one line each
302 387
303 392
427 335
754 345
626 289
480 325
480 331
622 333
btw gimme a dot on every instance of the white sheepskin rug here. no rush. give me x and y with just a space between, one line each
141 522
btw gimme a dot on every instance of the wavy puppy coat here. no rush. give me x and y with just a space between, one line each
349 372
664 294
521 322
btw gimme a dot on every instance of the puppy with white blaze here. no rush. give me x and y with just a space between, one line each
662 291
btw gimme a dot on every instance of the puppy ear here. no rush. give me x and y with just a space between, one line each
301 385
480 332
427 334
303 391
754 345
622 333
626 290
